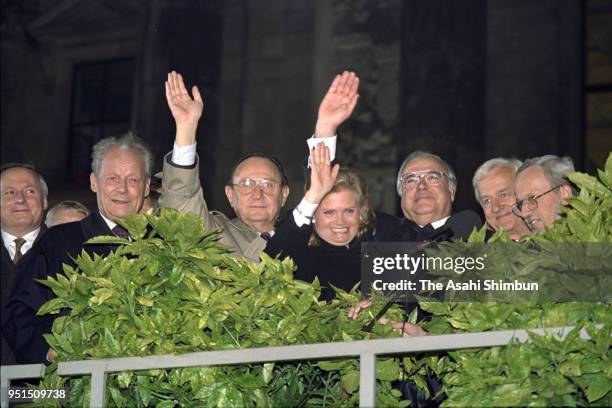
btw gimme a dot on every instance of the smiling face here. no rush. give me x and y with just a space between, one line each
23 202
425 203
259 209
337 217
121 185
496 192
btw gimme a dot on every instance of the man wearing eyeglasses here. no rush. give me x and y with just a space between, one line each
256 190
493 184
541 189
426 185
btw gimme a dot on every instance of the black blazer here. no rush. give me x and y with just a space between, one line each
22 329
11 277
336 265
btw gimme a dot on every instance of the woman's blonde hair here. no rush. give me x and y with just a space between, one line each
352 180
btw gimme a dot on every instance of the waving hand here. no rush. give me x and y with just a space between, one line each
322 174
185 109
337 104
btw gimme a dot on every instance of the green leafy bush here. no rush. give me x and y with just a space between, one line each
174 289
546 371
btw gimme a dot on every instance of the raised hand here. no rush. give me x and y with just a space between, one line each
185 109
337 104
322 174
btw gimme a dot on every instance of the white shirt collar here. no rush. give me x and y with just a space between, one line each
9 241
437 224
108 222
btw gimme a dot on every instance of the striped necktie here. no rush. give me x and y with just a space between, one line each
18 244
121 232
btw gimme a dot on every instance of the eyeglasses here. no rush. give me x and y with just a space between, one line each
530 203
409 181
504 196
247 186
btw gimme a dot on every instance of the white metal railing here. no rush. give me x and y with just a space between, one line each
366 350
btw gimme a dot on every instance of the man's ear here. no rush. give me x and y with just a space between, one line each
229 193
147 187
93 183
45 204
285 194
565 191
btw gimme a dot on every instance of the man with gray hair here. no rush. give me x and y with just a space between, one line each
64 212
23 201
541 189
427 186
493 184
121 171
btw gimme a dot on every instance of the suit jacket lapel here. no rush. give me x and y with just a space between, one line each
5 252
254 244
95 225
41 233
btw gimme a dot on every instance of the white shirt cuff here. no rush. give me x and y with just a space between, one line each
302 214
330 142
184 155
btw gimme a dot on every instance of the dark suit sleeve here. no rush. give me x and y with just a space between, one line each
292 241
22 329
387 228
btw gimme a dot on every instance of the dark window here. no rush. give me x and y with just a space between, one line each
101 106
598 83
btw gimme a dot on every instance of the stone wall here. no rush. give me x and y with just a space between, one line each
468 80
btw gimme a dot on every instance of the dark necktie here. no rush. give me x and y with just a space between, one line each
121 232
265 235
18 244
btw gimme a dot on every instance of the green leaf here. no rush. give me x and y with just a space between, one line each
598 387
101 295
167 404
144 301
108 240
124 379
136 225
350 381
387 370
267 371
53 306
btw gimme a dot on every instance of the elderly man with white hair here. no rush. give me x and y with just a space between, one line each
542 188
121 171
23 202
493 184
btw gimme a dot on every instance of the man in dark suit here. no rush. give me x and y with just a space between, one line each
426 185
121 171
23 201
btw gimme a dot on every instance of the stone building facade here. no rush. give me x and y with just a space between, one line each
467 80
